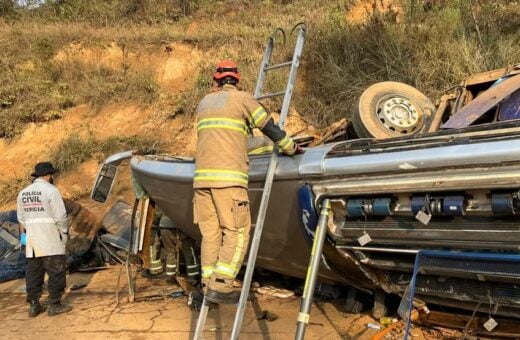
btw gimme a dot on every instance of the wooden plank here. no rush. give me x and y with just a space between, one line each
145 254
331 132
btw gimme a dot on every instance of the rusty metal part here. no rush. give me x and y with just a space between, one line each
439 114
331 132
382 334
483 103
507 328
491 76
376 278
345 264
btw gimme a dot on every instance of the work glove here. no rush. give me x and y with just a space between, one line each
23 239
295 150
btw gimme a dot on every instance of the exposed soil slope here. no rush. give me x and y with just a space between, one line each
174 68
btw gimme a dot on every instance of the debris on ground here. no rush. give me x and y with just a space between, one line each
373 325
177 294
78 286
326 291
273 291
398 326
385 321
12 254
267 315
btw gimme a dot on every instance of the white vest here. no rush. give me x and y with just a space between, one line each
42 213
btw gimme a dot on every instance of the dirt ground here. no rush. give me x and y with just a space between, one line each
96 316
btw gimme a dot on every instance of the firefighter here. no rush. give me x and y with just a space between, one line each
42 216
156 267
168 238
225 118
173 238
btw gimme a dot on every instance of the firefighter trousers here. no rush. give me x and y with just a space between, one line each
224 221
170 238
156 266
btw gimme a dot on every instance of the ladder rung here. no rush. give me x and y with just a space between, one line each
269 95
289 63
256 189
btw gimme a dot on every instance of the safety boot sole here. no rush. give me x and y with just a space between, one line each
223 298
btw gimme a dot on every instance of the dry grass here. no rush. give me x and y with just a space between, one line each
9 190
34 87
75 150
431 50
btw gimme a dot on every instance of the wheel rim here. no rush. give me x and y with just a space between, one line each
398 114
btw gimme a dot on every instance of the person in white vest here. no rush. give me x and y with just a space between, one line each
43 219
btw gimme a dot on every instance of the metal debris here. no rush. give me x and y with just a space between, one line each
267 315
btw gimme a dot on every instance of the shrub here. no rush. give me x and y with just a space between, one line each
43 48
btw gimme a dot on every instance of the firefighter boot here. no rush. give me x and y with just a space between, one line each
58 308
35 308
221 291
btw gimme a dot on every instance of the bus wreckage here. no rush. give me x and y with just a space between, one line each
451 183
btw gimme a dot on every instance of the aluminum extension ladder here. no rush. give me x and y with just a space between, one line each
259 225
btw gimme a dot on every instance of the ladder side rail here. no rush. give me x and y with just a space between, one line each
292 77
263 72
255 243
312 271
201 321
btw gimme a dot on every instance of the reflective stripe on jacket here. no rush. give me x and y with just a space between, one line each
224 119
41 211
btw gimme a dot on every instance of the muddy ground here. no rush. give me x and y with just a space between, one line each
96 315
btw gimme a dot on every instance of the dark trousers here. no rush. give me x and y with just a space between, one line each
56 268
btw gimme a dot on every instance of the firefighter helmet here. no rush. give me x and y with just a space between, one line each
226 68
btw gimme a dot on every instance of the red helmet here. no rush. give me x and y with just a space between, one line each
226 68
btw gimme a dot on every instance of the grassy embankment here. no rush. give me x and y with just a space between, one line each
430 49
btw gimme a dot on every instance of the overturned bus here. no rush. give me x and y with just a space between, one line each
455 187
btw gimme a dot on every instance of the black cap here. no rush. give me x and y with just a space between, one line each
43 168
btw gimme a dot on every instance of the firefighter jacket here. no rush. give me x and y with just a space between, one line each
224 120
42 213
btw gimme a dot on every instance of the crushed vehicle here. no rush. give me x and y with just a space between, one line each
12 257
449 182
92 243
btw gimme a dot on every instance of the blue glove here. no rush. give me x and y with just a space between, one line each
23 239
